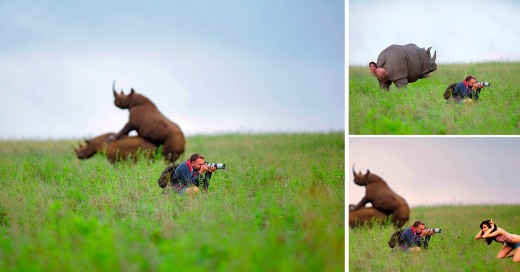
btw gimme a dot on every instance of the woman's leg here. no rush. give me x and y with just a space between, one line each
516 257
504 251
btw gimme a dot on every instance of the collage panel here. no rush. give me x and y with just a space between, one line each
445 202
433 122
416 69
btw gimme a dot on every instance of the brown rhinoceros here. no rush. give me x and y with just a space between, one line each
150 123
365 216
405 64
382 197
124 148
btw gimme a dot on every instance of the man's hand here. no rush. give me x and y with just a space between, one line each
203 168
477 86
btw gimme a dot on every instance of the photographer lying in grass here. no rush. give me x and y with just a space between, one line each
490 232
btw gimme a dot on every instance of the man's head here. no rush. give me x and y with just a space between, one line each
470 80
418 226
196 160
373 66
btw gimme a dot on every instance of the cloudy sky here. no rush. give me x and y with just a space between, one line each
439 170
461 31
210 66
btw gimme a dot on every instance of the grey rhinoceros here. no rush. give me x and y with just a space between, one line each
405 64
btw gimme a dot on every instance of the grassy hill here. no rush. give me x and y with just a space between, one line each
422 110
279 206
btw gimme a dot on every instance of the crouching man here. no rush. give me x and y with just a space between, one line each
414 237
191 174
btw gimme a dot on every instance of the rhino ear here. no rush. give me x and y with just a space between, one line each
368 172
434 56
428 50
132 91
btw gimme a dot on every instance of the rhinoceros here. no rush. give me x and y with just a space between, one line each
405 64
365 216
124 148
150 123
382 197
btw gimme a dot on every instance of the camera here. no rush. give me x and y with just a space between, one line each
217 165
435 230
485 83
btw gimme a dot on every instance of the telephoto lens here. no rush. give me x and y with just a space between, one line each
435 230
217 165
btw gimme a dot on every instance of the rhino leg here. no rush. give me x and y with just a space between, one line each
385 85
126 129
362 203
401 215
401 83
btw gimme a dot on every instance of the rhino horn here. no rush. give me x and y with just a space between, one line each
114 87
354 171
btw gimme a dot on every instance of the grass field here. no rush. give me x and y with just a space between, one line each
279 206
455 249
422 110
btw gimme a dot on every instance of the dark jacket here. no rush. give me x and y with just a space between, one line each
409 238
185 176
461 91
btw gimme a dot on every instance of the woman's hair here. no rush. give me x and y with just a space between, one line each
372 63
488 224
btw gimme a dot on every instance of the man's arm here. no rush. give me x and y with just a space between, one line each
460 90
183 174
407 237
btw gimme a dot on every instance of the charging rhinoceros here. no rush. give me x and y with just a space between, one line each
405 64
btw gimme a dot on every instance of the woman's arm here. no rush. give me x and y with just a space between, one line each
479 235
490 234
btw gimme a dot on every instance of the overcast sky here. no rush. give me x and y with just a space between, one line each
439 170
460 31
210 66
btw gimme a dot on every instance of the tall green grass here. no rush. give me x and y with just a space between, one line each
279 206
422 110
455 249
